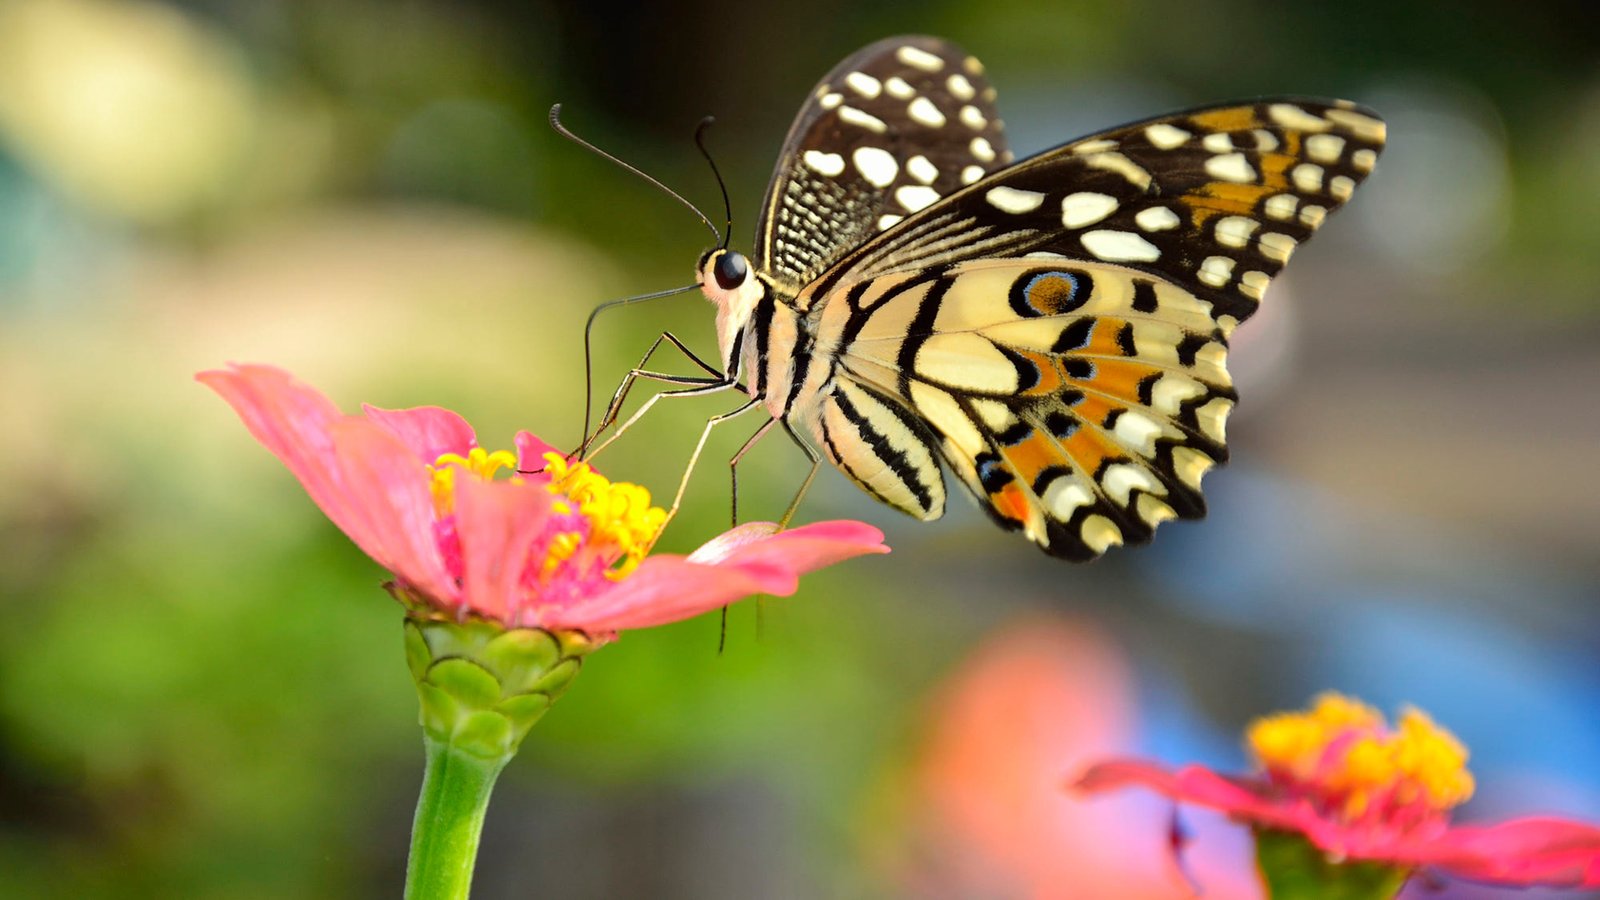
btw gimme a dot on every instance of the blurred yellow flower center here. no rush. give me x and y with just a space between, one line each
1344 751
478 461
619 513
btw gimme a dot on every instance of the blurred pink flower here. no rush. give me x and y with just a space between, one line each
1359 790
982 809
555 545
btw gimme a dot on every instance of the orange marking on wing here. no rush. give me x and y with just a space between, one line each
1220 197
1238 118
1038 452
1050 375
1011 502
1119 378
1103 340
1089 449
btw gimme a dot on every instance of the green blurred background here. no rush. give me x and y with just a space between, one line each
202 692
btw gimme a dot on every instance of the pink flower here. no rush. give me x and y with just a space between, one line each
554 545
1358 790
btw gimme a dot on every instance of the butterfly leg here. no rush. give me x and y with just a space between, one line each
694 458
816 463
733 465
620 396
696 387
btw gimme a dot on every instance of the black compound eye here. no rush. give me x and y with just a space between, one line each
731 270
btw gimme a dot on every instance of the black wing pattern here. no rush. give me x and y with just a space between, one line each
893 128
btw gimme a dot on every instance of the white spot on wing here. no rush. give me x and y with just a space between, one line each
1281 206
971 174
1127 168
876 166
1064 495
982 150
1276 246
1216 270
1122 479
918 58
1156 218
1119 246
1291 116
921 169
1100 533
1254 284
885 221
1086 208
973 118
1011 200
898 88
1313 215
866 120
1230 167
1217 142
1364 159
1235 231
1164 136
864 84
923 111
829 164
960 87
1324 148
1171 391
1364 127
1341 187
1190 465
1307 177
916 196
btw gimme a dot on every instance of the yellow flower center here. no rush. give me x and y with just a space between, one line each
478 461
619 513
1345 751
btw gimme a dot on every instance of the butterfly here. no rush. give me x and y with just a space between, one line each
1054 330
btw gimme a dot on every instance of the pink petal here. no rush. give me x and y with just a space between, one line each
391 489
670 588
531 451
801 550
1247 800
497 521
429 431
292 421
1535 851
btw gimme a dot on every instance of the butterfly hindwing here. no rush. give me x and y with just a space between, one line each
890 130
1082 408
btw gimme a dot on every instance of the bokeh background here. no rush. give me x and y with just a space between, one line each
201 687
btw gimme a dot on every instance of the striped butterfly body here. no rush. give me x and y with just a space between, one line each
1054 330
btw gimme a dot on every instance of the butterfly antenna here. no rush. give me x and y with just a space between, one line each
555 122
588 367
727 207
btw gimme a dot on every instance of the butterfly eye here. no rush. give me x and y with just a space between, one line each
731 270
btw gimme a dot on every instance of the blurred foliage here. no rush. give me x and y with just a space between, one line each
202 692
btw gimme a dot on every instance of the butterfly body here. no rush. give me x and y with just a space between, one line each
1053 331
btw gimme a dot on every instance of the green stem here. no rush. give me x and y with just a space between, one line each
444 835
1293 869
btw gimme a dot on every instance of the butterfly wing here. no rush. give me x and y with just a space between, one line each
890 130
1057 332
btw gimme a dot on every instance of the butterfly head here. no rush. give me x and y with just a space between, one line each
727 280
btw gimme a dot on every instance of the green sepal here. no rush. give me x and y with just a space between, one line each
482 686
1295 869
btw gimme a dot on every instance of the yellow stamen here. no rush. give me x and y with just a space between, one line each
619 513
478 461
1417 763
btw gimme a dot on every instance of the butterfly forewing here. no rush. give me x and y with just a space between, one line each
1057 331
891 130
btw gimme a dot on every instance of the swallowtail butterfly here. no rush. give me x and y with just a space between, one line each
1054 330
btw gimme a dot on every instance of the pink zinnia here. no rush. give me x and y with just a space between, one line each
1361 791
554 545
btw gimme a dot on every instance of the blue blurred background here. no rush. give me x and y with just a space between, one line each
201 687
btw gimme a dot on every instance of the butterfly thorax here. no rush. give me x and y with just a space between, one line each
761 335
